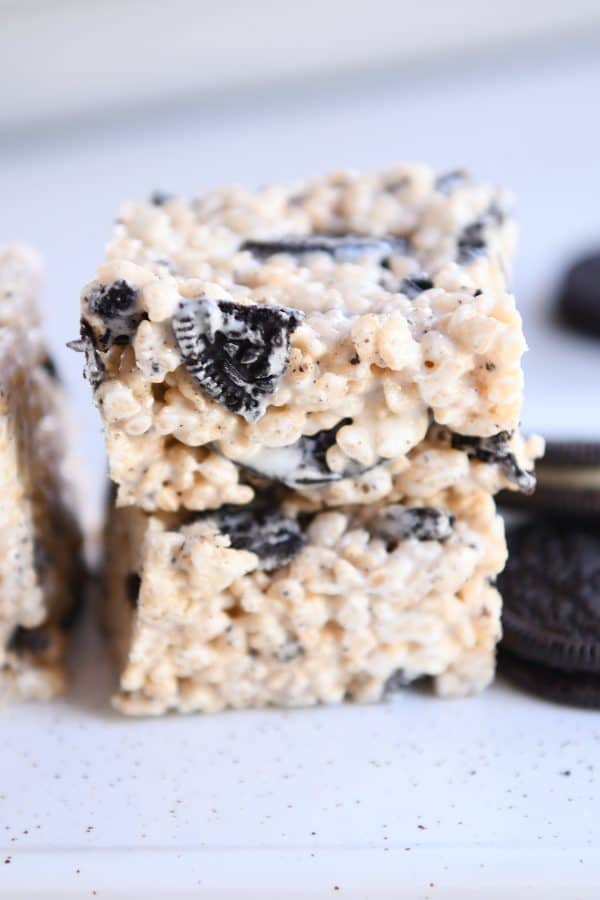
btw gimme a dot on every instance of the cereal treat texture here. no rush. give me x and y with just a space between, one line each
282 603
308 336
40 542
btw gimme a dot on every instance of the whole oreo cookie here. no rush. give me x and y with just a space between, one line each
568 481
571 688
551 590
579 299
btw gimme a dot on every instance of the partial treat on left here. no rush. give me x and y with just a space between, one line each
41 561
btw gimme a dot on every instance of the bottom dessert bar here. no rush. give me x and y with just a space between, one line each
40 541
279 604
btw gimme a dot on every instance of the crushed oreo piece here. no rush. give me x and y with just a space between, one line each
495 214
41 560
49 366
313 468
290 651
28 640
276 539
396 681
472 242
159 198
94 367
133 583
397 523
567 481
237 353
496 450
303 463
343 247
115 304
110 301
398 183
448 182
415 285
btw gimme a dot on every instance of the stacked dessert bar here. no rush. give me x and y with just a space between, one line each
310 395
40 541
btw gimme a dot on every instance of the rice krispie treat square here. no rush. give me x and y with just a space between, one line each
307 335
40 540
281 603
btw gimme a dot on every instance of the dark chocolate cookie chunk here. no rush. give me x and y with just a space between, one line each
49 366
571 688
237 353
449 182
111 301
568 480
496 450
397 523
396 682
303 463
473 241
415 285
313 468
93 368
115 304
290 651
579 298
28 640
159 198
551 590
343 247
276 539
133 583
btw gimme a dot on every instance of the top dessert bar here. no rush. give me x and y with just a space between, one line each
311 335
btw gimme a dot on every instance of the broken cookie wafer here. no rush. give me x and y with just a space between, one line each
238 354
568 480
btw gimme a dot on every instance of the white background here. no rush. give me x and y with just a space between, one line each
226 807
66 56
